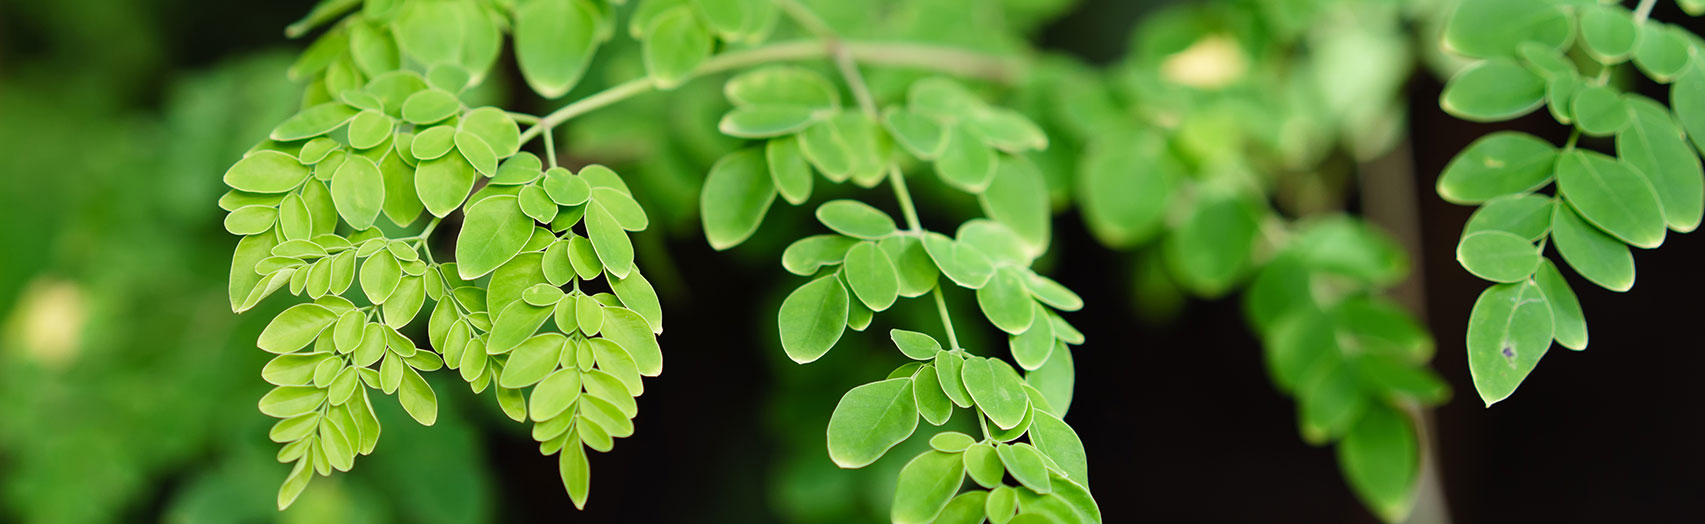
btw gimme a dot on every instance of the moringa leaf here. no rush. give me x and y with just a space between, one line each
812 318
736 195
871 419
1508 331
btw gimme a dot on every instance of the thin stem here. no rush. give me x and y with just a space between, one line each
1574 136
420 239
1643 11
523 118
905 197
946 320
550 148
948 60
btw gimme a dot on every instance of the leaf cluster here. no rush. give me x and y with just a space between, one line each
1568 57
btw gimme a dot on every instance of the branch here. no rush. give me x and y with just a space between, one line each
950 60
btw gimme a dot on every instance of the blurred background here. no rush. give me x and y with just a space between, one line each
128 389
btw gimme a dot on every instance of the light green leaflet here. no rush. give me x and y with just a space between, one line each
1598 110
1380 457
1612 196
1495 27
871 275
1568 322
358 191
1508 331
1595 255
997 391
295 328
737 194
789 169
1495 165
1498 256
1496 89
915 345
1527 216
676 42
812 318
1607 32
855 219
1653 144
925 486
554 41
266 172
869 420
493 232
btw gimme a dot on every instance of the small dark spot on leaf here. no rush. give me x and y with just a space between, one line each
1510 352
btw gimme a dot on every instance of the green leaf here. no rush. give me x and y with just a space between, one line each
784 86
583 257
1059 443
869 420
537 204
736 195
1123 206
1032 347
1612 196
266 172
1593 254
997 390
1508 331
916 346
531 361
951 441
615 252
1560 91
554 394
295 327
826 148
1687 98
313 121
1598 110
738 20
493 232
359 192
1018 198
576 473
923 136
925 486
443 184
1211 250
1381 459
1026 465
872 276
496 128
369 129
554 41
514 325
789 169
962 264
627 328
622 207
1495 28
966 162
1653 143
638 295
1662 52
290 401
766 121
251 220
1547 60
1569 324
1502 163
855 219
1006 302
429 106
983 464
565 188
1498 256
942 97
967 508
1008 130
417 398
477 152
950 371
1001 504
433 142
1493 90
1525 215
675 44
1607 32
812 318
912 263
933 404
